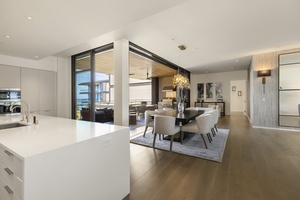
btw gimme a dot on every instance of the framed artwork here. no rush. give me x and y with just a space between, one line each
200 88
233 88
239 93
209 90
219 90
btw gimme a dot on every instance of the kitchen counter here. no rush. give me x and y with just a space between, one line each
79 160
49 134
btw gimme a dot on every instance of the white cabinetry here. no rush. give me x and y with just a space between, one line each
38 89
9 77
91 161
11 176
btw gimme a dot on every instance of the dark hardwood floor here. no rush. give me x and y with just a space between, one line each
257 164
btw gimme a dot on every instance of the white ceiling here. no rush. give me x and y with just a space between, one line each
219 35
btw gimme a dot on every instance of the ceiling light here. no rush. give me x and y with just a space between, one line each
182 47
7 36
28 17
36 57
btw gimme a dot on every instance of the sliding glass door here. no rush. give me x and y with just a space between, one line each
92 71
82 83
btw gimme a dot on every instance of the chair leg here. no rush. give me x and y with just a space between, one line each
216 128
171 142
181 136
203 140
208 137
154 140
213 132
145 131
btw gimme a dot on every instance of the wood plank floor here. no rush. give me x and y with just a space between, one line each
257 164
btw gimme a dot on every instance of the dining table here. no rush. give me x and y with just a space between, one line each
181 119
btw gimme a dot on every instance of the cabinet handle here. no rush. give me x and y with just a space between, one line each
9 171
8 189
8 153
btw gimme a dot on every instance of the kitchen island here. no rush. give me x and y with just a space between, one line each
64 159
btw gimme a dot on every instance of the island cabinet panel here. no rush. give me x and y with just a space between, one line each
11 175
64 159
91 170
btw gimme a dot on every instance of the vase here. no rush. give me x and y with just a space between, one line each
180 107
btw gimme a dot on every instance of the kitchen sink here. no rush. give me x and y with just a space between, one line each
12 125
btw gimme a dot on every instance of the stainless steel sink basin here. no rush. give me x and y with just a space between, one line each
12 125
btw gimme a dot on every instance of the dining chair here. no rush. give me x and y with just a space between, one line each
215 120
149 121
165 125
192 108
141 110
201 126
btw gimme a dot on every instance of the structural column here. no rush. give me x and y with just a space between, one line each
121 82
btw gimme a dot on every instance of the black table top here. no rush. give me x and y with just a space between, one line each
188 114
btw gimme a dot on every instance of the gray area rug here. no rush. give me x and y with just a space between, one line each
192 146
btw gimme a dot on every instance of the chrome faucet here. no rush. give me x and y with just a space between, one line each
26 114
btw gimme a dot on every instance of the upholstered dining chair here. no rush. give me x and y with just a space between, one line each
202 125
149 121
215 119
165 125
192 108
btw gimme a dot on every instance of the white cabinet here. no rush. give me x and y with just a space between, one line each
47 92
64 159
11 176
30 88
9 77
38 89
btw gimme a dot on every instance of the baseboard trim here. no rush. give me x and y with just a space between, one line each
277 128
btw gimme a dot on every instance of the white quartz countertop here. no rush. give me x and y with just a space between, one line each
49 134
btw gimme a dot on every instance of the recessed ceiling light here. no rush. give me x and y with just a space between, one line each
36 57
7 36
28 17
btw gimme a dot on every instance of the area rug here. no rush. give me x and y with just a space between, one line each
192 146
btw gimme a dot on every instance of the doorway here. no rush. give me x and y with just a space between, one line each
238 100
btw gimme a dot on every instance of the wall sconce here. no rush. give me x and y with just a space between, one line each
264 74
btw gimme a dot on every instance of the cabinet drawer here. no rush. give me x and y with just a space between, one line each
9 178
5 192
12 162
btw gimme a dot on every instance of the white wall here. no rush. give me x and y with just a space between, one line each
225 77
